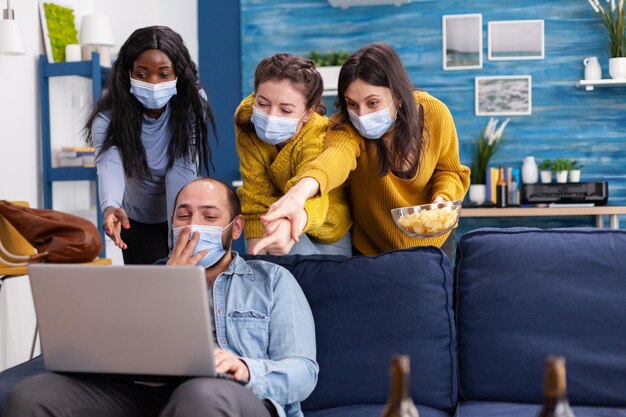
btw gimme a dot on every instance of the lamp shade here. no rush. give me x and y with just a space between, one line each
10 38
95 29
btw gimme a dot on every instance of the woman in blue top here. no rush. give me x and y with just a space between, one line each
150 131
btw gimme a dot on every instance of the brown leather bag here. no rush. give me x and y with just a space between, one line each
58 237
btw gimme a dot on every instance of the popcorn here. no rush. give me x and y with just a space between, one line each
430 222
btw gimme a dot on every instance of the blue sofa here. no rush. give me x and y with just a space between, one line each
519 295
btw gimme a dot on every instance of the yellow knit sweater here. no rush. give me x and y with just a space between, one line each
268 173
372 196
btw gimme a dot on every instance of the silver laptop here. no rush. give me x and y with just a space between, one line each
134 320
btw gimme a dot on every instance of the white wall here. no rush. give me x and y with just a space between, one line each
126 16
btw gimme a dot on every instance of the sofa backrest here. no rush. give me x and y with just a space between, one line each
523 294
368 308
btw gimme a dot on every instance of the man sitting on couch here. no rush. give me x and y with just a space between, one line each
263 327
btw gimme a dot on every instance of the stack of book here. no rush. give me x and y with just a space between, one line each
77 156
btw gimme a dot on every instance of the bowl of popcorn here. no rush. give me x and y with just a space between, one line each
427 220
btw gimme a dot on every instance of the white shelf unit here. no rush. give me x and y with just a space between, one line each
591 84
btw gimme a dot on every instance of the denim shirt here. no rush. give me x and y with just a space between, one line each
263 317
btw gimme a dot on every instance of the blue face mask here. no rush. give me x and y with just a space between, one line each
272 129
210 238
372 125
153 96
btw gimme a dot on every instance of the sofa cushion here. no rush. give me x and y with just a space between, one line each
12 376
368 308
495 409
369 411
523 294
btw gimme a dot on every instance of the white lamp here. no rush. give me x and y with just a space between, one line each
95 29
96 35
10 36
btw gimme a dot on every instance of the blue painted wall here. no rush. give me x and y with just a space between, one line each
220 74
566 121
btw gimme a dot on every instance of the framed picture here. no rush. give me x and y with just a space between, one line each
503 95
462 41
515 40
57 24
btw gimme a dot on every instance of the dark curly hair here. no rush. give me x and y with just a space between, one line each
190 112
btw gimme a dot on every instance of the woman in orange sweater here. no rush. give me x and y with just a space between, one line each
279 130
397 146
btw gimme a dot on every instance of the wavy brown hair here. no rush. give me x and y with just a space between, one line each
378 64
190 112
302 74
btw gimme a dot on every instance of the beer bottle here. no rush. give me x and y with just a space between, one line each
400 403
555 402
501 191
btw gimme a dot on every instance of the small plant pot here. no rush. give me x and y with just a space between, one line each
561 176
330 77
574 175
478 193
546 177
617 68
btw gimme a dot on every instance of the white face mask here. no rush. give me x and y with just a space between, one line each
372 125
153 96
273 129
210 238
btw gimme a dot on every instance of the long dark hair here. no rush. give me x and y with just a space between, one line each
190 112
302 74
378 64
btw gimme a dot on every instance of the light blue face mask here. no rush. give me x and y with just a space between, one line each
372 125
153 96
273 129
210 238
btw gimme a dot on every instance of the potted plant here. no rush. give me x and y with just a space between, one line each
612 17
561 167
574 171
488 144
329 64
545 171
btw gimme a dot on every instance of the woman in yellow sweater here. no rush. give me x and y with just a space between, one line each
397 145
280 129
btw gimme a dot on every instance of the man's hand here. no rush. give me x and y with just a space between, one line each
291 206
226 362
182 252
113 221
276 239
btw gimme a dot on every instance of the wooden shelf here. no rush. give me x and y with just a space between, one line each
590 85
598 211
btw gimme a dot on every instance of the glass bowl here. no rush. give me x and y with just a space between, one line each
427 220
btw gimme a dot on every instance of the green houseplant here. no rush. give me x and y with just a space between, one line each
561 167
329 59
612 17
575 171
487 145
545 171
329 64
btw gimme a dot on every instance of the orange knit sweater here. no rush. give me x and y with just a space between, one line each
372 196
268 173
